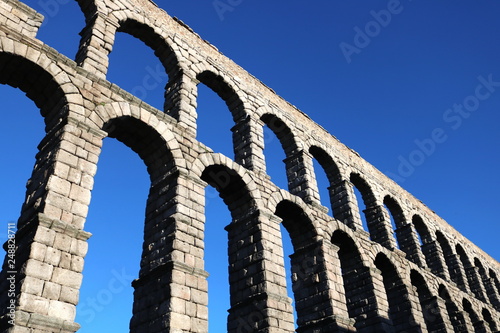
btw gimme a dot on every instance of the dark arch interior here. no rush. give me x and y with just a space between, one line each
161 49
282 131
143 140
232 189
328 164
225 92
397 294
422 230
297 223
333 177
357 281
38 85
395 210
447 253
489 319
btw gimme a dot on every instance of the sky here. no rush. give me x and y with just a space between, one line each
412 86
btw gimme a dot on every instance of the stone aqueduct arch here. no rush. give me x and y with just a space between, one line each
345 279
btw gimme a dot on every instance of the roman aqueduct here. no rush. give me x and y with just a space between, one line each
345 278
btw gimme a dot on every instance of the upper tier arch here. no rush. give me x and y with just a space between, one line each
42 79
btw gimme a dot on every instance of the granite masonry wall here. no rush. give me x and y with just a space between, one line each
423 276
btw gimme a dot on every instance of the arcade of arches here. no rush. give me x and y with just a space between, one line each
408 270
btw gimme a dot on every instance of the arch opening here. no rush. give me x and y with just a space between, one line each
286 242
473 317
42 88
428 303
357 281
426 243
398 222
489 319
274 159
288 146
116 216
364 199
214 122
470 273
449 258
145 79
155 154
215 97
495 282
489 289
327 173
217 216
302 265
323 186
21 129
232 189
454 314
400 312
45 92
218 85
63 21
242 228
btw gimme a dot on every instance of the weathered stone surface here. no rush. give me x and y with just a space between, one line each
345 279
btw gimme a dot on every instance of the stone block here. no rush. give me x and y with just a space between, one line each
32 285
180 322
77 264
32 303
62 242
51 290
61 310
52 256
80 194
38 269
65 261
67 278
69 295
59 185
38 251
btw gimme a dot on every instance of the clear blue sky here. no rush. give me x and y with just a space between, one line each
379 91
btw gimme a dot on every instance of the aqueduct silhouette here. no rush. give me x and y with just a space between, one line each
345 279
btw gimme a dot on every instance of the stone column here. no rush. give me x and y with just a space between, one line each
301 179
45 262
458 270
435 259
475 283
441 304
248 139
468 324
417 310
489 286
317 274
480 326
409 244
435 315
344 204
259 300
380 322
378 222
171 293
96 44
181 100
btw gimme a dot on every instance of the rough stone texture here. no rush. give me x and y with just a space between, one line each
345 279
